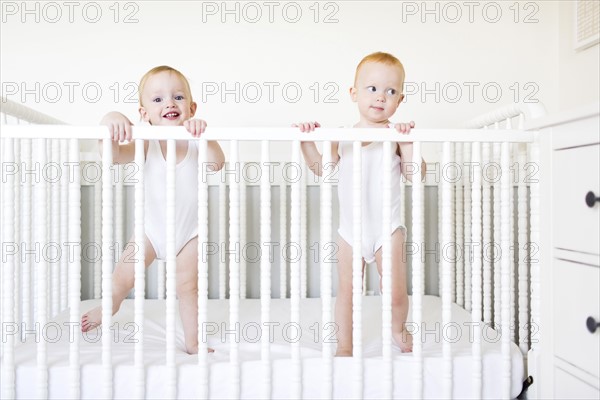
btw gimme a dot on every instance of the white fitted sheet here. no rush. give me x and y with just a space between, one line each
251 377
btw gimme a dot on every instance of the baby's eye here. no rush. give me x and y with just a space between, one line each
371 89
156 100
391 92
179 97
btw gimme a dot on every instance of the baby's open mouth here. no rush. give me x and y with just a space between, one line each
171 115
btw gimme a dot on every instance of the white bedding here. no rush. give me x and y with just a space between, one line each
154 343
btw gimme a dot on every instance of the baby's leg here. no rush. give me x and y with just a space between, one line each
187 291
399 291
343 302
122 282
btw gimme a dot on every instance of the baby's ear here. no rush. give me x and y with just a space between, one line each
193 108
353 93
143 114
401 98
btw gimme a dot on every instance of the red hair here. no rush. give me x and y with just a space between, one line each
383 58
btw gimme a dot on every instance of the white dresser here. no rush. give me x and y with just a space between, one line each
570 255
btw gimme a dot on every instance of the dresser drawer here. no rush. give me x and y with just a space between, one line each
576 133
567 386
575 173
576 298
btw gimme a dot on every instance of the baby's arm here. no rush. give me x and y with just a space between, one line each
406 151
215 156
120 130
313 158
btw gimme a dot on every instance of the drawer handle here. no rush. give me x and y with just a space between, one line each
591 198
592 324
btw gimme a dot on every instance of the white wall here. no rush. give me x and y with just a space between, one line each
517 57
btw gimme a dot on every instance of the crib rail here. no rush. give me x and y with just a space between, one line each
456 281
9 108
525 111
274 134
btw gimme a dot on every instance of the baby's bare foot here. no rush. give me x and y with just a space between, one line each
404 340
343 352
194 350
92 319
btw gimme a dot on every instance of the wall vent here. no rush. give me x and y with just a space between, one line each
587 23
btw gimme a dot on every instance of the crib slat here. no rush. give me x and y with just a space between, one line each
403 200
27 234
506 264
522 235
357 268
467 222
161 276
476 269
203 383
326 265
303 233
386 278
512 248
48 230
451 254
74 267
3 122
459 238
446 269
41 231
418 236
511 222
296 384
119 211
234 272
107 266
54 227
2 238
497 248
265 267
243 259
282 238
8 273
487 235
140 270
171 275
17 232
535 290
64 221
223 233
440 238
98 237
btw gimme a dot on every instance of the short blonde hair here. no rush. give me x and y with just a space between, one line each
383 58
157 70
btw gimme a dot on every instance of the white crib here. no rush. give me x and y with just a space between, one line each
461 348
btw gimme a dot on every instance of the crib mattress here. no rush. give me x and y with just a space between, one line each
309 335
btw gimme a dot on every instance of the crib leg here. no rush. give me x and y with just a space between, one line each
526 383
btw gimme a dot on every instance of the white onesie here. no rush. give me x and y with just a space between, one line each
372 199
186 198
